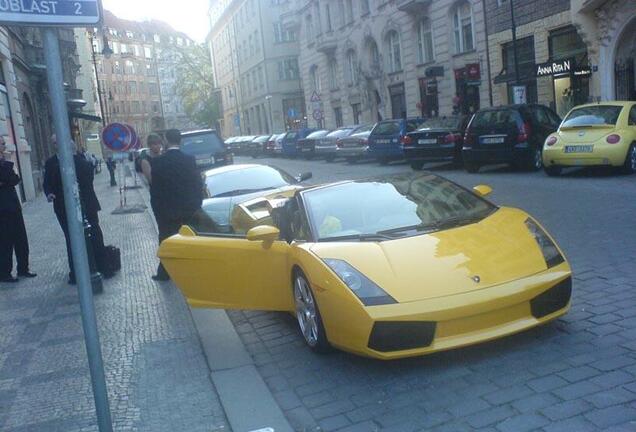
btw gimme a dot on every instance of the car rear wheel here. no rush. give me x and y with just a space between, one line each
417 165
629 167
471 167
552 171
308 315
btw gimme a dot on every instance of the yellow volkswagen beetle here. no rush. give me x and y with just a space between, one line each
390 267
594 134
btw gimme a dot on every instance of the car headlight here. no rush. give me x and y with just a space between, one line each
549 250
364 288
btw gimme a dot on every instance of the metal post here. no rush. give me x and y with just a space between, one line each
514 41
75 227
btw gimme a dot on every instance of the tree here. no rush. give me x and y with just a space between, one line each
195 85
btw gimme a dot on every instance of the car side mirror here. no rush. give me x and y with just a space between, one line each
265 233
482 190
304 176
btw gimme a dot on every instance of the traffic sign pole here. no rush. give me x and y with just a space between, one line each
75 227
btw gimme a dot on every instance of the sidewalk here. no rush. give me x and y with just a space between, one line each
156 371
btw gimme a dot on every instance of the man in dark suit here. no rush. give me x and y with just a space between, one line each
176 191
13 236
54 192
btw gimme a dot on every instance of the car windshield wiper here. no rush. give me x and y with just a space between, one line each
435 226
419 228
240 192
359 237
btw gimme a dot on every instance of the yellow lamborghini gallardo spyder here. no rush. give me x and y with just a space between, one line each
594 134
389 267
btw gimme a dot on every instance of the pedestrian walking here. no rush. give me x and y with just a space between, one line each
13 236
176 191
155 143
54 192
111 165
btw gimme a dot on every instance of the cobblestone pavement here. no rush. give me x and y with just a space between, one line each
575 374
156 372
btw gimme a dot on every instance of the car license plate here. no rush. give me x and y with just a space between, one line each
383 141
492 140
205 161
306 149
579 149
427 141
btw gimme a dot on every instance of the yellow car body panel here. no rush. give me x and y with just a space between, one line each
431 276
602 153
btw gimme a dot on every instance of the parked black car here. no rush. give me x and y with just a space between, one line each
437 139
207 148
258 146
508 134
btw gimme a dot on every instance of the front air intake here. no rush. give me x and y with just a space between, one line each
401 335
552 300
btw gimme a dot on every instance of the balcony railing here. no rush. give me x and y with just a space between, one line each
326 43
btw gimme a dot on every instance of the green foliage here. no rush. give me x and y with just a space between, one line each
195 85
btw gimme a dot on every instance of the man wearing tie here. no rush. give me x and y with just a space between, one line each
13 236
176 191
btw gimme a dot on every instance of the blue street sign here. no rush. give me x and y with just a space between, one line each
291 113
50 12
237 120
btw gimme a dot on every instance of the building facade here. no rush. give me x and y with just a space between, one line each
131 78
255 61
363 61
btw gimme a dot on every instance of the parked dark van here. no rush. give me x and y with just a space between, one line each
207 147
511 134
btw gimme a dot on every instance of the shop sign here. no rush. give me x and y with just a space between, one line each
559 67
473 72
585 71
434 71
519 95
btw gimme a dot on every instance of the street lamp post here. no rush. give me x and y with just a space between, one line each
106 52
271 121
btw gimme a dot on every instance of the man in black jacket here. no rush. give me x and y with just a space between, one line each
176 191
54 192
13 234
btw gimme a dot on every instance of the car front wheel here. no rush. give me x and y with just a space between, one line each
308 315
552 171
417 165
535 161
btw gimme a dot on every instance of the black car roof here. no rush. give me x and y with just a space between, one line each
199 132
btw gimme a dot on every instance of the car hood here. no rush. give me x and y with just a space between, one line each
496 250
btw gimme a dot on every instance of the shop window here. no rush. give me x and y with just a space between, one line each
429 97
356 113
337 112
526 63
398 101
569 90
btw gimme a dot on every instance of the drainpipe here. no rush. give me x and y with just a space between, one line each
483 5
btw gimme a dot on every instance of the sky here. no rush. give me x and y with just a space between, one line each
188 16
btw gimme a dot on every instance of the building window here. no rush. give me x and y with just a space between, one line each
337 113
352 67
394 60
364 7
333 74
463 27
356 113
341 11
526 62
349 5
328 17
310 28
147 52
314 78
425 41
288 69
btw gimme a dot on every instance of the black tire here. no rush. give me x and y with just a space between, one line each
315 337
535 159
629 167
552 171
417 165
471 167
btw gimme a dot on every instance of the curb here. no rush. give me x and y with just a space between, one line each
247 401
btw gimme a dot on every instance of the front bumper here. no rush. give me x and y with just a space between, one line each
454 321
602 154
360 151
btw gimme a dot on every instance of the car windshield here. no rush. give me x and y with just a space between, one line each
247 180
201 143
317 134
262 138
291 135
593 116
362 129
440 123
391 208
499 118
387 128
339 133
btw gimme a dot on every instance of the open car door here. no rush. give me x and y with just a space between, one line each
247 269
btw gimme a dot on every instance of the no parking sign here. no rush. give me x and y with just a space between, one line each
120 137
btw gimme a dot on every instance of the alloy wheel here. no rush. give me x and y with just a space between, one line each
538 159
306 311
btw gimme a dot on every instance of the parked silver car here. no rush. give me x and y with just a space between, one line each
354 146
